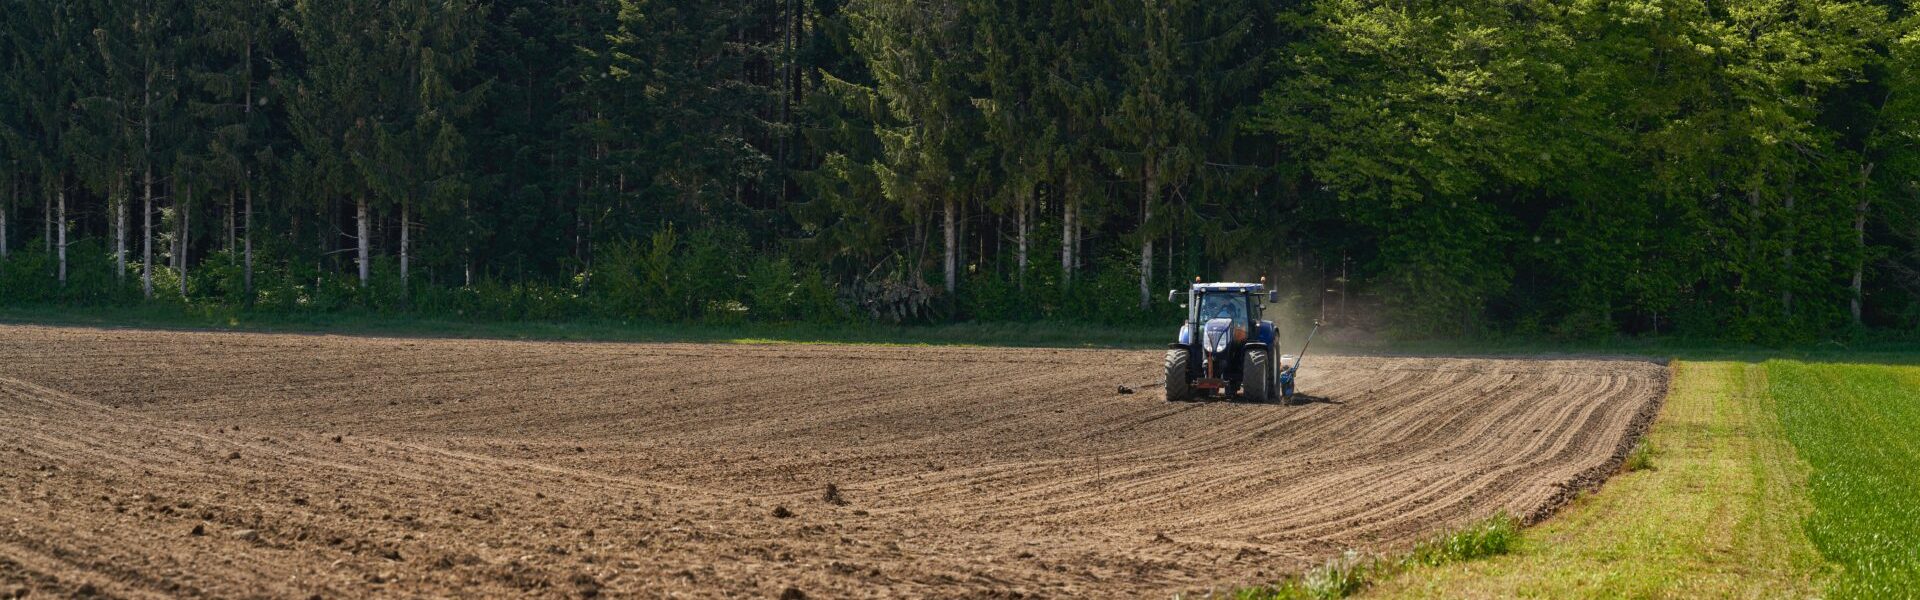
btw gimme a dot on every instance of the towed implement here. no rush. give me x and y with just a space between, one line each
1226 349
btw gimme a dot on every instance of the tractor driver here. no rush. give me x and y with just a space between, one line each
1226 306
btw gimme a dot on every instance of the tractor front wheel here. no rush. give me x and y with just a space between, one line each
1179 387
1256 376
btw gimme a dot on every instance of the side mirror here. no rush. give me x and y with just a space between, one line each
1273 297
1173 295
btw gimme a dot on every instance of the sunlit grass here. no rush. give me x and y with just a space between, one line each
1858 428
1710 506
1352 572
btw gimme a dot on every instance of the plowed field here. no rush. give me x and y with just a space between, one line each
143 463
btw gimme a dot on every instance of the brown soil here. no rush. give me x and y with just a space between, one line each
141 463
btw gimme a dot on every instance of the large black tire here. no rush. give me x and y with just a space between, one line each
1256 376
1179 387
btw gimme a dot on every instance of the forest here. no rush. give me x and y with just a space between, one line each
1742 170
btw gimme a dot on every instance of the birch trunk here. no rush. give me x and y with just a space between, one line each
246 240
404 239
1860 243
63 232
360 215
146 233
1786 262
232 236
12 190
1079 227
951 259
146 183
1146 238
1026 196
120 228
1066 241
246 268
186 233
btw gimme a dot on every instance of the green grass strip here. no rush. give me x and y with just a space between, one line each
1352 572
1710 507
1858 427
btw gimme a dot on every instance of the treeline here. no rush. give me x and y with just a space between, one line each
1740 169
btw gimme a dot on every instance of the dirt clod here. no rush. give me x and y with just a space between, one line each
1126 390
198 530
832 496
793 593
781 512
248 535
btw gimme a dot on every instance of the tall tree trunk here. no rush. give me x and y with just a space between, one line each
146 233
246 182
1066 237
1755 257
13 188
232 236
146 182
246 240
121 199
1026 197
46 221
1860 243
186 234
1079 237
360 215
1151 193
951 258
1786 263
62 227
404 239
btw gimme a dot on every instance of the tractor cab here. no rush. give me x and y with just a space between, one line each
1224 346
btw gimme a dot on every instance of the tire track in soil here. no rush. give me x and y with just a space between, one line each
560 469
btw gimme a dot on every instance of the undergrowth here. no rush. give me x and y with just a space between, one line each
1641 458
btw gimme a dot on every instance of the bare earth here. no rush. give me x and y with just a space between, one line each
144 463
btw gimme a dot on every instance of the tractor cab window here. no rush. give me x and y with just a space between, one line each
1224 305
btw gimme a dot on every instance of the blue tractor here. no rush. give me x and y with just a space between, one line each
1226 349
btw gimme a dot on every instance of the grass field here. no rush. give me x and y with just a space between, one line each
1781 479
1858 427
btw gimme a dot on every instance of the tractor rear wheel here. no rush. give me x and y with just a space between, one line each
1256 376
1179 387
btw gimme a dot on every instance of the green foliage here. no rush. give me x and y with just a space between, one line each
1495 536
1573 170
1641 458
1853 425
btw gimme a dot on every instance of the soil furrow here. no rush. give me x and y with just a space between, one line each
151 463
